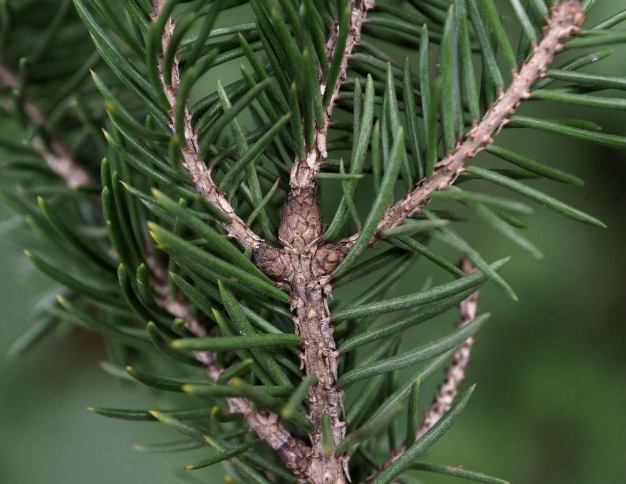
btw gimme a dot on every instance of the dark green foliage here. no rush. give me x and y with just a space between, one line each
136 184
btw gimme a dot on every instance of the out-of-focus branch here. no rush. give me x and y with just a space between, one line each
266 425
53 151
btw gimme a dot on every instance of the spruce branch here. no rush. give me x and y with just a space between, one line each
300 64
300 229
53 150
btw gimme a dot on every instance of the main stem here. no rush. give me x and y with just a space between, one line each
304 261
308 259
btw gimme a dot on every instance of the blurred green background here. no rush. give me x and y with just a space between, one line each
550 406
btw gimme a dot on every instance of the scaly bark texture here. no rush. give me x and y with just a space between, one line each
308 259
302 262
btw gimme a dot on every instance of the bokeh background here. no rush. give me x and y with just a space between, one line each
550 406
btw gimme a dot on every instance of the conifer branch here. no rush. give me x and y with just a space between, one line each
564 22
54 152
300 61
266 425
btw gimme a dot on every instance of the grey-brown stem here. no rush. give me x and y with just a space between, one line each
300 266
565 21
306 261
54 153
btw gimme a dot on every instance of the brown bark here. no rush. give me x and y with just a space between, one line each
308 260
304 171
304 263
300 265
199 173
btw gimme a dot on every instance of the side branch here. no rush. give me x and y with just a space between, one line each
54 152
455 373
454 376
564 22
200 174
